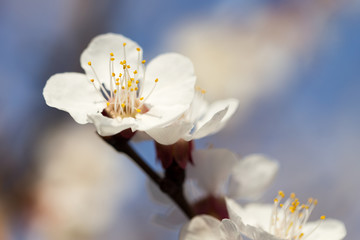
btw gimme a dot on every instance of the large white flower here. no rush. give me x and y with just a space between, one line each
114 95
216 174
199 121
283 220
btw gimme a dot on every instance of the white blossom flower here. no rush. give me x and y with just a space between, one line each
209 228
216 174
114 95
284 220
200 120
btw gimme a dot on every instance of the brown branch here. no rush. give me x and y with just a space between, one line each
168 185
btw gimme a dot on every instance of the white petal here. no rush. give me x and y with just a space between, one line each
201 227
252 176
329 229
98 53
170 134
74 93
110 126
176 80
251 220
159 116
197 109
229 230
215 118
235 211
258 215
211 168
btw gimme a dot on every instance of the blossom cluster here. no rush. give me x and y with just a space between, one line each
126 98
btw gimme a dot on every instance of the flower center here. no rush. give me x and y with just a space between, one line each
288 218
125 96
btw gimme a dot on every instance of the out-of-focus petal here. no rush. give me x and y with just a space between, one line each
329 229
211 168
251 176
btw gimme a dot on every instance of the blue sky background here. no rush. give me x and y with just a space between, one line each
311 126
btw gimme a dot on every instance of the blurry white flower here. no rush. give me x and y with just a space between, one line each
216 174
197 122
114 94
284 220
83 185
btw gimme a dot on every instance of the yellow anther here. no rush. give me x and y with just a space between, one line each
124 44
123 105
138 110
136 89
107 104
120 75
292 195
275 200
203 91
135 72
315 202
138 49
89 63
131 90
142 98
117 79
92 80
292 209
282 194
156 80
124 66
113 74
117 84
143 61
124 61
137 81
132 79
121 62
112 54
112 59
281 205
128 66
301 235
122 87
115 91
310 200
322 217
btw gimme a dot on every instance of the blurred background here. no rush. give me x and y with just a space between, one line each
294 66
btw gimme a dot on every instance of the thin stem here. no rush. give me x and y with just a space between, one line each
167 185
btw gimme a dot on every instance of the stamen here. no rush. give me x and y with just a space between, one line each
287 219
100 84
123 98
